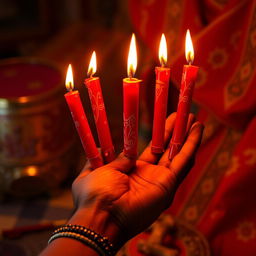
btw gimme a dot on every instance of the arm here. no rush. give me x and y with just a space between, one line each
122 198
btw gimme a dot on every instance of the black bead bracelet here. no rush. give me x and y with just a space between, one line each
77 232
79 238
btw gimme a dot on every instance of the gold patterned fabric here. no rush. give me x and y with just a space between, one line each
219 194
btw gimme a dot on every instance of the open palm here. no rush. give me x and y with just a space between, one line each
138 191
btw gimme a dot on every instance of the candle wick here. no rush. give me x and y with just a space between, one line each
69 87
130 74
90 73
190 58
163 63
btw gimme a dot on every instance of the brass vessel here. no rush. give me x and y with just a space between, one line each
36 134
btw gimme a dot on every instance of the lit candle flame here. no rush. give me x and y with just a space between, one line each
163 51
69 79
93 65
189 48
132 58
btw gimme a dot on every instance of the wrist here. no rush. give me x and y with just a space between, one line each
99 221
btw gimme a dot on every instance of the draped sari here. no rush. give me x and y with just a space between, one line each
219 195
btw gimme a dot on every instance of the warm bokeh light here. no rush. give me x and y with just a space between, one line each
93 65
189 52
69 79
31 170
132 58
163 51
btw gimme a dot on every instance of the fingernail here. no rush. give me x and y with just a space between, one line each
196 126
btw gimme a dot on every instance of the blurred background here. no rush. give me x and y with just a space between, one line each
66 32
38 40
26 26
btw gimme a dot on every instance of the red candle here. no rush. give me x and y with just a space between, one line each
131 104
161 97
81 123
99 113
186 91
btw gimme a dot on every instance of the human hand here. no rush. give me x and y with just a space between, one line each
124 197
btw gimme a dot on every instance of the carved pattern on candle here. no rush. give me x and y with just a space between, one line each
176 145
159 88
184 94
97 103
129 135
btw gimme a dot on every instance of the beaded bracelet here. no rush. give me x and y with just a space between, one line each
80 238
100 241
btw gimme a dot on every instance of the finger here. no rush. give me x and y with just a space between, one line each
150 157
122 163
191 120
87 167
186 153
86 170
183 162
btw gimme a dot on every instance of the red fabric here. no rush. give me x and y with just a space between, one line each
218 197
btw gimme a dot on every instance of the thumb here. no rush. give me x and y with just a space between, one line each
122 163
86 169
183 161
